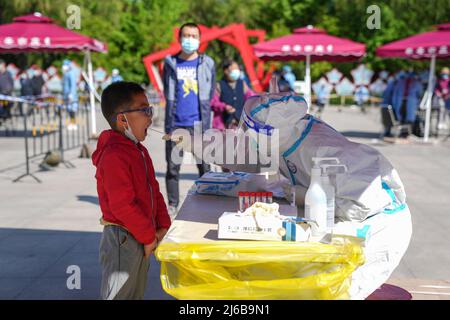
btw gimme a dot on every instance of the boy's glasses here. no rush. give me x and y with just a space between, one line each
147 110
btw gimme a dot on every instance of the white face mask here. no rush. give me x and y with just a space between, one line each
189 45
235 74
129 133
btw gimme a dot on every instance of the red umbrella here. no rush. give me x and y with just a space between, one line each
310 43
428 45
38 33
35 32
420 46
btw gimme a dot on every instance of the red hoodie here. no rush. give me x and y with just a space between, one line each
127 189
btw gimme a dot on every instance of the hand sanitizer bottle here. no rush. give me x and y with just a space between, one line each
316 201
330 193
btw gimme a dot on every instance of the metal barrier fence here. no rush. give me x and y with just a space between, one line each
47 126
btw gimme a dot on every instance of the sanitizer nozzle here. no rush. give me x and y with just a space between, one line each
326 166
316 167
318 160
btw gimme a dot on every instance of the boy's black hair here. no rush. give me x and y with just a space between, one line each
116 97
191 25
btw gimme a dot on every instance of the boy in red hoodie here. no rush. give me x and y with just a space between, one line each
135 216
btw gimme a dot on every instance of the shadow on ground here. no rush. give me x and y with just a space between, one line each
90 199
361 134
34 263
183 176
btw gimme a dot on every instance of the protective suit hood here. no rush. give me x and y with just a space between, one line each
281 111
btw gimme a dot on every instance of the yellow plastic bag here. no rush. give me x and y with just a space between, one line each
241 270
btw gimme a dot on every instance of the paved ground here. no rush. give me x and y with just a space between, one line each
45 228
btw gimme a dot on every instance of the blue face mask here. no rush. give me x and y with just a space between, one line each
444 76
235 74
189 45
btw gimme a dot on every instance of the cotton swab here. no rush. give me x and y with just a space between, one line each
168 137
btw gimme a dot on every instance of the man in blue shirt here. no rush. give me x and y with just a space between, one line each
187 93
189 82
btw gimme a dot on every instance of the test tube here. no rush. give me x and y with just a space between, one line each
252 198
244 201
241 201
269 197
248 200
264 197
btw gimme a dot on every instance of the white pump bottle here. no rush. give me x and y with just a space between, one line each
316 200
330 193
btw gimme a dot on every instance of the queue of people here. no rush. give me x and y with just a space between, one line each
404 94
441 99
33 85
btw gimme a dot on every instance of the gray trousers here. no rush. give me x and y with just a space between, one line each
124 267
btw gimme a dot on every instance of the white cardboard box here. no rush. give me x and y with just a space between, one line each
235 225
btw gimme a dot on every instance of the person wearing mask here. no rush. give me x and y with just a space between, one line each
25 90
6 88
189 84
229 97
70 93
322 97
443 86
406 96
370 198
285 79
442 92
116 76
387 101
37 81
361 97
288 76
25 85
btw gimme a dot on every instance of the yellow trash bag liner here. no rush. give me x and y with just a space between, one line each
228 270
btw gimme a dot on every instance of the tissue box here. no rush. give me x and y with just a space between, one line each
236 225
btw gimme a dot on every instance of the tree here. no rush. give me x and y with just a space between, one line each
135 28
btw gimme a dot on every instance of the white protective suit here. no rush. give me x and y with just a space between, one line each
370 197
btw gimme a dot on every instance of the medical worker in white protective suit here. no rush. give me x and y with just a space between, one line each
370 197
